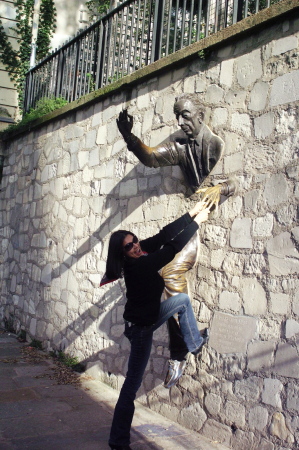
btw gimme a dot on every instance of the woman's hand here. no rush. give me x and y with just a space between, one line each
202 216
197 208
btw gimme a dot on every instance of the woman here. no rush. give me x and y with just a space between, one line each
140 262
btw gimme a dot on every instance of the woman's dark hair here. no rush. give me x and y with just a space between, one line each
115 259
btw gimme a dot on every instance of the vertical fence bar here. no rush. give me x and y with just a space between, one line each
130 38
175 24
157 30
142 33
191 22
183 24
199 15
100 57
168 28
136 35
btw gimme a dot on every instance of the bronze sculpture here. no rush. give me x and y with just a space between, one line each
196 154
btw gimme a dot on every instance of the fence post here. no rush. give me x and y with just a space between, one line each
157 30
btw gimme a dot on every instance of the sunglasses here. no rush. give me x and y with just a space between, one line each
129 245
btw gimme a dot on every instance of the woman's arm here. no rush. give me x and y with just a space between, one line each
171 230
161 257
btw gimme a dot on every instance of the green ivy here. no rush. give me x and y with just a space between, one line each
16 62
97 7
43 107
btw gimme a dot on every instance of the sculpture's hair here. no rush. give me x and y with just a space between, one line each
193 98
115 258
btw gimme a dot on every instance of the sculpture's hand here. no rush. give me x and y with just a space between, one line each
125 123
211 195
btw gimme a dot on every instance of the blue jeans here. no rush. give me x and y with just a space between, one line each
141 338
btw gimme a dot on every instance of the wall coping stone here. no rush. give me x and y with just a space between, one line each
233 32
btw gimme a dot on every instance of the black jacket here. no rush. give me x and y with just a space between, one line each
143 282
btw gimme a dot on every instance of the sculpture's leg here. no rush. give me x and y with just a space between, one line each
174 275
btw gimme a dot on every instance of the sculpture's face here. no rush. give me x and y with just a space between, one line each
188 117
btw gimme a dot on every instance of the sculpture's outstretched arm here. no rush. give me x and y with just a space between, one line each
144 153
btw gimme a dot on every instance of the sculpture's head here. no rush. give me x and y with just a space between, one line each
189 114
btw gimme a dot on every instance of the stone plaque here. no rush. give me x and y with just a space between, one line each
231 334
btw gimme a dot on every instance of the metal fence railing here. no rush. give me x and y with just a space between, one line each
131 36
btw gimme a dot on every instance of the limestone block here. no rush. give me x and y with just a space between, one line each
292 328
113 132
249 68
193 386
226 72
214 94
217 432
155 181
240 235
147 120
231 334
280 303
158 365
189 84
102 135
60 309
73 132
192 417
283 255
292 396
233 163
241 123
156 212
258 96
236 99
295 233
134 211
254 297
220 116
285 89
127 188
296 303
32 327
216 234
234 414
264 125
271 392
284 45
293 171
107 186
213 404
36 273
217 257
230 300
160 135
248 389
108 113
213 72
254 264
90 139
263 226
280 429
258 418
143 98
260 355
287 361
117 330
200 85
94 158
245 440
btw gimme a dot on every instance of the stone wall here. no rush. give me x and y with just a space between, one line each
69 184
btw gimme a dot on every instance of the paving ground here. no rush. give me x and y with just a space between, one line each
36 413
